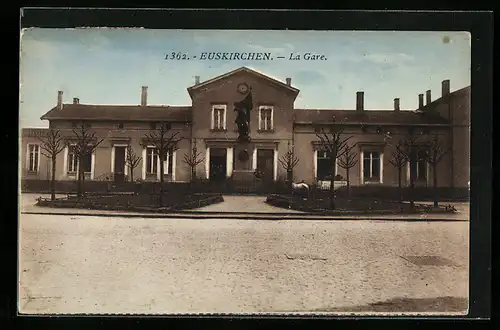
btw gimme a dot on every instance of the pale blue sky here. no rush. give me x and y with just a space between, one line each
109 66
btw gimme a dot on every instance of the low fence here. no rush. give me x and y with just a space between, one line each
255 187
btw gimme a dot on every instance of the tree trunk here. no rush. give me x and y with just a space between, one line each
289 177
332 187
400 170
436 201
53 179
162 157
131 174
348 182
412 185
79 178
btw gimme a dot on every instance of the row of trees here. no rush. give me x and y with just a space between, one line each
410 150
163 141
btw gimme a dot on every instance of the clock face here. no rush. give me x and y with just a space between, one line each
242 88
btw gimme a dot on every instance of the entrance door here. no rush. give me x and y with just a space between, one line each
119 170
265 164
218 164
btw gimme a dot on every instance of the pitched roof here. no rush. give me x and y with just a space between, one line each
119 112
243 69
391 117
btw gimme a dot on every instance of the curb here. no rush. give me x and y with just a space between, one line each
245 216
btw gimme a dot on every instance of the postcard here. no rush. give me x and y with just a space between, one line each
244 172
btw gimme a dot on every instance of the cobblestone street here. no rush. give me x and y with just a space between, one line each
88 264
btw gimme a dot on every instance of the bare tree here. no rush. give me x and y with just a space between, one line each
193 159
398 160
348 160
410 150
435 153
86 144
133 160
289 161
52 145
163 141
334 143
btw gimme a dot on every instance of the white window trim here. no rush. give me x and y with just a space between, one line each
145 161
174 161
28 157
66 158
207 163
381 167
266 107
222 107
113 157
275 164
229 162
254 159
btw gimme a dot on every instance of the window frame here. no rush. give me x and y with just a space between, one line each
76 162
152 162
380 158
28 158
317 167
217 108
262 122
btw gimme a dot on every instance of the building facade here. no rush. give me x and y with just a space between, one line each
276 127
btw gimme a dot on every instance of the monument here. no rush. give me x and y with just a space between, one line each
243 173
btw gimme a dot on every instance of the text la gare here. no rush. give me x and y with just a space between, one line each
307 57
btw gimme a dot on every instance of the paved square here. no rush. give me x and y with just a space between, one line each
89 264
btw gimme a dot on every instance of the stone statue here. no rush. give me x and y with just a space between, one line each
242 121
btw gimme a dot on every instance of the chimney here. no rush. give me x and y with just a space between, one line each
445 87
360 101
428 97
289 81
396 104
196 80
76 100
144 96
60 99
420 101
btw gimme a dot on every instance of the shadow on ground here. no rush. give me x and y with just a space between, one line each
403 305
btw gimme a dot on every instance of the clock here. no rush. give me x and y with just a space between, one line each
242 88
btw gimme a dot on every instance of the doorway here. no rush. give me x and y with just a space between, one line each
265 164
119 170
218 164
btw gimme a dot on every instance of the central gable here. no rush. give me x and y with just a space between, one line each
241 72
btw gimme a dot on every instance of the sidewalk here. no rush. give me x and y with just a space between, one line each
251 207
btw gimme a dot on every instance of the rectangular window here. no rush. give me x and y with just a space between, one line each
420 166
151 161
266 118
33 157
371 166
152 125
218 117
72 160
324 166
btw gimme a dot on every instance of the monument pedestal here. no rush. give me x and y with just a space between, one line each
243 173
